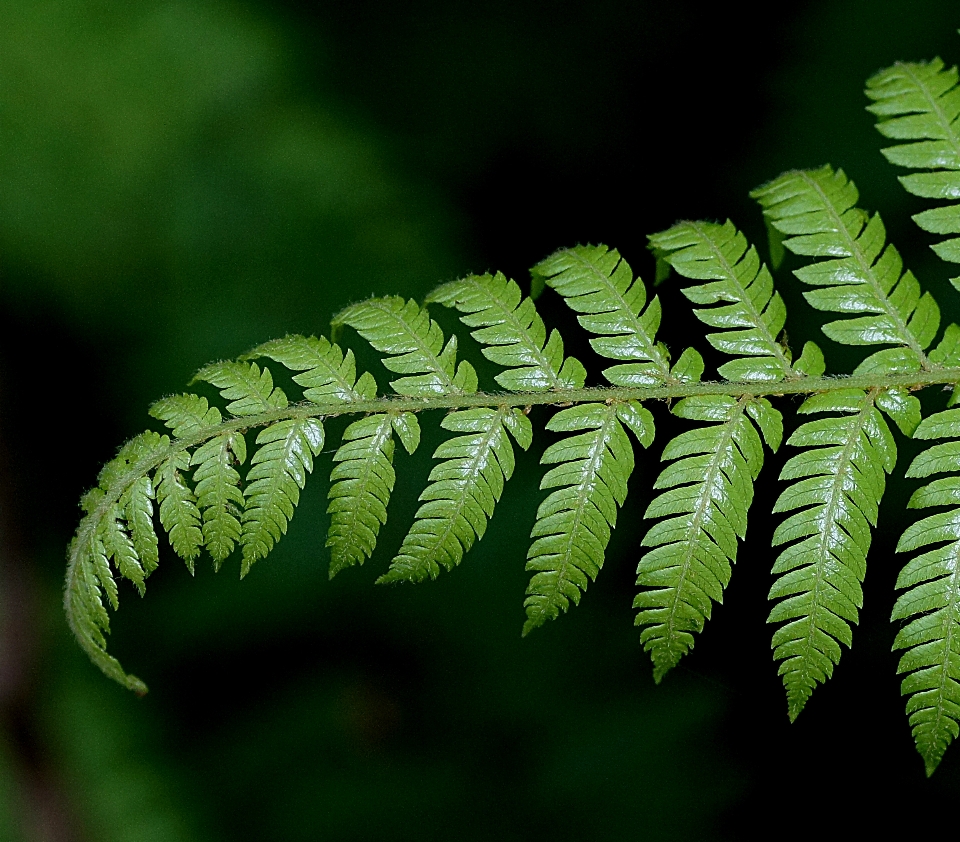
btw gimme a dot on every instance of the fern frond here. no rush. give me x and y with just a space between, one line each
598 284
327 374
362 481
816 211
415 344
710 489
931 602
920 103
512 333
462 493
754 315
574 522
840 479
278 472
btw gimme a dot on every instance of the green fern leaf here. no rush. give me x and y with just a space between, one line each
328 375
415 342
710 488
840 481
574 522
596 283
83 603
512 332
817 211
278 472
218 494
179 514
463 491
920 103
249 390
931 602
186 414
755 313
362 482
119 548
137 506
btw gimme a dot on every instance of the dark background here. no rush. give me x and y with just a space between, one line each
182 180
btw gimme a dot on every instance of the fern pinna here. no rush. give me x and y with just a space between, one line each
227 478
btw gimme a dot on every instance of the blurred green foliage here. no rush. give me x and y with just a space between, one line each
182 180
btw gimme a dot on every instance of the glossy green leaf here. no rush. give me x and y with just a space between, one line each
596 283
839 479
930 603
919 102
415 346
750 312
361 484
327 374
463 491
512 333
589 482
709 482
860 274
278 472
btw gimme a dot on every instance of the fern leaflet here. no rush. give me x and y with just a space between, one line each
463 491
835 502
512 332
573 523
598 285
278 472
415 344
920 103
931 603
362 482
817 211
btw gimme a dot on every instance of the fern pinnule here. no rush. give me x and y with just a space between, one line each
753 314
217 486
816 211
463 491
839 481
179 514
326 373
249 390
415 344
574 522
919 102
596 283
708 493
512 333
361 484
930 604
278 472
